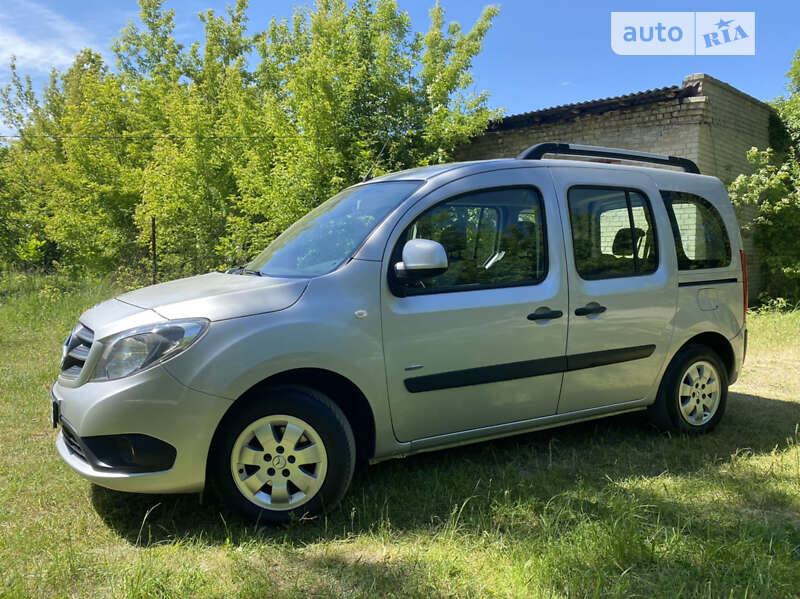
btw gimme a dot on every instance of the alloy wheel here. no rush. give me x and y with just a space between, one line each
279 462
699 393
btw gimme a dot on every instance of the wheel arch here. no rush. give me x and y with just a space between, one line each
659 412
339 389
719 343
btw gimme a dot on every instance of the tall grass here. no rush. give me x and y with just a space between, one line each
601 509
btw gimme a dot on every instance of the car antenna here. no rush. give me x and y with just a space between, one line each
368 176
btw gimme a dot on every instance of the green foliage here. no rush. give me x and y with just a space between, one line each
8 216
775 305
225 153
789 108
779 138
772 194
31 251
774 191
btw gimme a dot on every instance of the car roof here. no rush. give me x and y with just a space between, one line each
424 173
460 169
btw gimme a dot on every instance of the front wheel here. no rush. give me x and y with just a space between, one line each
693 393
287 454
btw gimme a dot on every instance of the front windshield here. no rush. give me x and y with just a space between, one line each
328 235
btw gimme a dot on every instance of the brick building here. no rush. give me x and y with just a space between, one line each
703 119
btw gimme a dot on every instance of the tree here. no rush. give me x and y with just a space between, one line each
224 153
772 192
72 171
789 107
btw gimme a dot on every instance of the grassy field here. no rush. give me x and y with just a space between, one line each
609 508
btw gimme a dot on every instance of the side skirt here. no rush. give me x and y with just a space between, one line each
515 428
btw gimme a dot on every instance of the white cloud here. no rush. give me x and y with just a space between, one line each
39 37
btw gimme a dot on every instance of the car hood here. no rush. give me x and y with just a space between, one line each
217 296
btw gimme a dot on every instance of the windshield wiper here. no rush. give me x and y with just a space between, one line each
241 270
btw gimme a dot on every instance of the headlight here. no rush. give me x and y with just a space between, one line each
135 350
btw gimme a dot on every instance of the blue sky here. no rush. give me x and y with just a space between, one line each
538 54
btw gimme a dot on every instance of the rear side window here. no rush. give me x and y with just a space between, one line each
493 238
701 240
612 232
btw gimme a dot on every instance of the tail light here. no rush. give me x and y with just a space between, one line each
744 284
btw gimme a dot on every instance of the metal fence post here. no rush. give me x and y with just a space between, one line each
153 247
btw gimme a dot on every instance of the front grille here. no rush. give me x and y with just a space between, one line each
76 351
71 441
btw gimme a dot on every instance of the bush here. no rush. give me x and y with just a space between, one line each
773 191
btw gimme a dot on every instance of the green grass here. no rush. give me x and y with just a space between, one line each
607 508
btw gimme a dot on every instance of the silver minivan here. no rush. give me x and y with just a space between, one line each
423 309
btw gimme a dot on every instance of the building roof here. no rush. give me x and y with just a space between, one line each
566 111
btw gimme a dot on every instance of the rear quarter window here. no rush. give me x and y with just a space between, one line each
701 239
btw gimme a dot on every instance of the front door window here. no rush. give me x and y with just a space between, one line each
493 238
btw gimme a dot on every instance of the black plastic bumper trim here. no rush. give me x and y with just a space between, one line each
131 453
708 282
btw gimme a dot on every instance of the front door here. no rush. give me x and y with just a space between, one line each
481 344
622 286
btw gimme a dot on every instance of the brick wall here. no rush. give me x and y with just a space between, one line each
714 126
666 127
733 123
688 225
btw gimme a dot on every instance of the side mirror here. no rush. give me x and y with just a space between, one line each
422 258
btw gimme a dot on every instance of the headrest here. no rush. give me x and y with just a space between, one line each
626 240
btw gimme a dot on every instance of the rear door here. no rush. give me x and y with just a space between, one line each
622 286
470 349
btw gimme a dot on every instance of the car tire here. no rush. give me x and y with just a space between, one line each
693 392
287 454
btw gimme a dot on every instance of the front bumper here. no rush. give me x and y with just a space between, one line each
152 404
133 453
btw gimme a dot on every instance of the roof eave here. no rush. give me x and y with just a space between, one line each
569 111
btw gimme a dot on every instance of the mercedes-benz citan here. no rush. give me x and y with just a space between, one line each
422 309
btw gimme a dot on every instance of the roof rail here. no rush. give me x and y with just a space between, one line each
536 152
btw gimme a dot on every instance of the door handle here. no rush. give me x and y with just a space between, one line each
548 315
589 310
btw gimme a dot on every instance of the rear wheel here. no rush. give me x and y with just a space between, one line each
289 454
693 393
